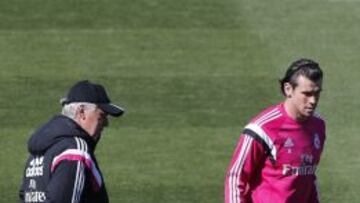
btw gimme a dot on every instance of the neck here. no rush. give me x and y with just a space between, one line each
293 113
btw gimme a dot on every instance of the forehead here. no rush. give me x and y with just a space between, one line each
100 110
305 84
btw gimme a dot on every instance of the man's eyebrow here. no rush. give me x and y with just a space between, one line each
311 91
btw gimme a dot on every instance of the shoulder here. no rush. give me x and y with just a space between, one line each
319 119
269 115
71 149
261 128
70 143
318 116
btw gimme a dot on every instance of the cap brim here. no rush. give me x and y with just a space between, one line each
112 109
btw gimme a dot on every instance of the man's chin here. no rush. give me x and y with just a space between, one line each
310 113
304 116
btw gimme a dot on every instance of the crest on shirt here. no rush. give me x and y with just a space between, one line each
289 144
316 141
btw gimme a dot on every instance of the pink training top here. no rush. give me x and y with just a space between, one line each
276 159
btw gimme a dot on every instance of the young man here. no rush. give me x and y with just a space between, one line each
62 166
279 150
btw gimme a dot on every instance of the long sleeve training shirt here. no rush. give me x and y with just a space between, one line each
276 159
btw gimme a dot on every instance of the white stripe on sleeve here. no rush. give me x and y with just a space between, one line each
235 171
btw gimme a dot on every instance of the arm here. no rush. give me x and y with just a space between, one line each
247 160
67 182
21 192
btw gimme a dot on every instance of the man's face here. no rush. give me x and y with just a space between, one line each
303 98
94 122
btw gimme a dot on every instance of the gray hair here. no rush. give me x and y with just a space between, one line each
70 110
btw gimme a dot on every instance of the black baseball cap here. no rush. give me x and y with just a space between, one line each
85 91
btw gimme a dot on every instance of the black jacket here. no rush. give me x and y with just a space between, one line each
62 167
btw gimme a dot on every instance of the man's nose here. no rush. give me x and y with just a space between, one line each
313 99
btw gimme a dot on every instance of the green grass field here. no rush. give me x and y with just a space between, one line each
190 73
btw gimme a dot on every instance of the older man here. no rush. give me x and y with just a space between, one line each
62 166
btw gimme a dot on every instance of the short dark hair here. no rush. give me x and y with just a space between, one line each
305 67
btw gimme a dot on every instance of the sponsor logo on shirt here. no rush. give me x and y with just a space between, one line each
307 167
307 159
35 167
35 196
298 170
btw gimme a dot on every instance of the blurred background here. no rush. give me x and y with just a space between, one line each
190 74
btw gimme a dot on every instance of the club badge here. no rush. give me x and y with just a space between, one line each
316 141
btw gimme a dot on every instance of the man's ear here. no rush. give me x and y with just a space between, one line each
81 112
288 89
